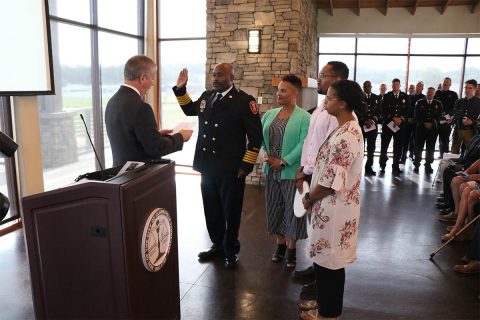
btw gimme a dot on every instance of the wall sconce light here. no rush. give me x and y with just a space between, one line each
254 41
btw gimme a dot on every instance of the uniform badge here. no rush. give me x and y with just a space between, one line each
253 107
403 100
203 103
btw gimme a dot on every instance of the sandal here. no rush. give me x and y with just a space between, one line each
291 258
309 315
447 237
307 305
278 255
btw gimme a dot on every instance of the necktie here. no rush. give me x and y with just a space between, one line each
396 96
216 99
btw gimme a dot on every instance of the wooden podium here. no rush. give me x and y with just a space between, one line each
103 250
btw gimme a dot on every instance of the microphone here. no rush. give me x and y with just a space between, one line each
93 147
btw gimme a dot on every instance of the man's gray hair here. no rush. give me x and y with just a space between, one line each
137 65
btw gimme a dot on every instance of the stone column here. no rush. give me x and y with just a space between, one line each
289 44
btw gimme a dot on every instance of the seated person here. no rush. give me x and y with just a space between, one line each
472 154
469 195
472 259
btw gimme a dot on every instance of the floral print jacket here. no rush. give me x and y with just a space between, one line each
335 218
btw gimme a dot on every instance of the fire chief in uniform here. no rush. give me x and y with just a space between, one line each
226 117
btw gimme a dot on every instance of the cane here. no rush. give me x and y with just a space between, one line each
452 238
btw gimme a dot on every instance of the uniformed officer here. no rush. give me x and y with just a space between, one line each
226 117
409 134
367 121
394 109
466 111
447 97
427 115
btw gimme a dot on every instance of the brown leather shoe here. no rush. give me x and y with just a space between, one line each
471 267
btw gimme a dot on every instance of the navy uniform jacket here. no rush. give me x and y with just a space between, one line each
133 131
413 100
223 131
425 112
467 109
392 107
373 109
448 99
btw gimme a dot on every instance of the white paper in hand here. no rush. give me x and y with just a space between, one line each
298 208
184 126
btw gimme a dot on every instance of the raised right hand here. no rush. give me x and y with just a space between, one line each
186 134
182 78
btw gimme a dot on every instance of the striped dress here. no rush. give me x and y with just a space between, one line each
281 193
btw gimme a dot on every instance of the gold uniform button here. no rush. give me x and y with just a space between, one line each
204 149
216 124
213 138
204 135
213 151
206 122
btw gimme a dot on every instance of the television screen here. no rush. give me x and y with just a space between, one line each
25 49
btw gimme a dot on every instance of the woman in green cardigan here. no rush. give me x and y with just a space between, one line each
284 130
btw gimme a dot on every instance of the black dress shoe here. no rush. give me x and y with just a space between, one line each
309 291
428 169
209 254
441 205
370 172
307 273
396 171
382 169
446 211
415 169
231 262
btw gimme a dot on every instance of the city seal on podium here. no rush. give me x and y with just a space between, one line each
156 240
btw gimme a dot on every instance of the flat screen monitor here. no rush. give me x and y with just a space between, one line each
25 48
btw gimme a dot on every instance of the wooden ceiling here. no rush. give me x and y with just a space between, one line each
384 5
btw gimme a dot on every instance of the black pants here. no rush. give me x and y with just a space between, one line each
387 135
425 136
330 287
444 131
473 252
222 202
408 141
371 139
448 175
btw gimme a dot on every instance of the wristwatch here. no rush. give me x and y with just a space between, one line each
283 164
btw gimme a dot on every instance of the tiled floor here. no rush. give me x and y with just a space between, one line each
393 277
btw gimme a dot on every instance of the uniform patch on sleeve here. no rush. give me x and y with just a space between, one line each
253 107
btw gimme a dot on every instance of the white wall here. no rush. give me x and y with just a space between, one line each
456 19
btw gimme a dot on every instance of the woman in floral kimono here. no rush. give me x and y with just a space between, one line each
334 200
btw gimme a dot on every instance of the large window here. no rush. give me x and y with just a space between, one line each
182 44
90 48
428 59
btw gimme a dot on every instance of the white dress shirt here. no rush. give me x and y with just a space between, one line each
321 125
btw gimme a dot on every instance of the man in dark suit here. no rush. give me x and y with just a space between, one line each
409 134
466 112
130 122
394 109
227 117
427 118
447 97
368 120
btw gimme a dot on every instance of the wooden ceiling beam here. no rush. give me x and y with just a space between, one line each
445 5
331 8
475 6
415 6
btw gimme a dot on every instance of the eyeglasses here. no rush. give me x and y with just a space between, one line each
322 75
327 99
